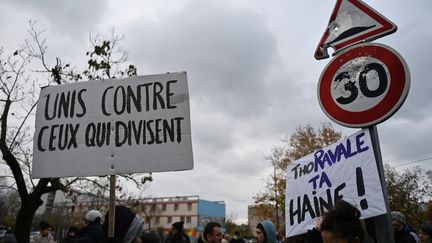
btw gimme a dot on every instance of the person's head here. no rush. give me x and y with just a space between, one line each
73 231
425 233
150 237
45 228
342 224
266 232
176 228
93 217
213 232
227 237
398 220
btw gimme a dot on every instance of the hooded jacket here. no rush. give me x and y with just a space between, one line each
128 225
270 231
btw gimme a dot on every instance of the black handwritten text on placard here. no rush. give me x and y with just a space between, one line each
115 101
319 180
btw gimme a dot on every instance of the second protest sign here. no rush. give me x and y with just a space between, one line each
345 170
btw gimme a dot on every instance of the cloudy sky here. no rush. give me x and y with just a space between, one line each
251 72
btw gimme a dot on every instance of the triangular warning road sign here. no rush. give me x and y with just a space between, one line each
351 22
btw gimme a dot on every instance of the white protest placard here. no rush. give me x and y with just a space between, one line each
345 170
108 127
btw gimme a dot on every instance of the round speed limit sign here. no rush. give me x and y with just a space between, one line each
364 85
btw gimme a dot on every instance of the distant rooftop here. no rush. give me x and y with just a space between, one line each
175 199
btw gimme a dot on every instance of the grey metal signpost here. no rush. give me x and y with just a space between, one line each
344 93
383 229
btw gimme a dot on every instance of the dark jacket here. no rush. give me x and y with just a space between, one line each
123 219
69 239
128 225
9 238
181 237
93 232
406 235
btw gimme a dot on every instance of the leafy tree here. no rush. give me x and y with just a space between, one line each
263 211
231 228
409 191
18 100
9 204
302 142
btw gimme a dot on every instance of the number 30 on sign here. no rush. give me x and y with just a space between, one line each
364 85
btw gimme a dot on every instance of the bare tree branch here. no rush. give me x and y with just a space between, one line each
22 123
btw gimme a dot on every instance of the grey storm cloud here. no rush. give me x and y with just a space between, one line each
228 53
66 17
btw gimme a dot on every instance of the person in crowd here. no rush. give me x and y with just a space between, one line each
9 237
226 238
44 235
93 229
299 239
403 233
177 234
112 240
342 224
313 235
237 238
71 235
425 233
149 237
128 225
266 232
84 240
212 233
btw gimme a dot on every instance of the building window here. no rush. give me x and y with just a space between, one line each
182 219
188 219
157 220
176 205
169 220
163 207
190 206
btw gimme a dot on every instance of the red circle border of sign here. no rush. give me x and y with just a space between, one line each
396 95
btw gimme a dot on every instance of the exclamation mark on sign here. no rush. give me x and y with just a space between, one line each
361 188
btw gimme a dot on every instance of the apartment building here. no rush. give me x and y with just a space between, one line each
159 213
195 212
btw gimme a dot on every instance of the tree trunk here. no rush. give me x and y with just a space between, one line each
24 219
